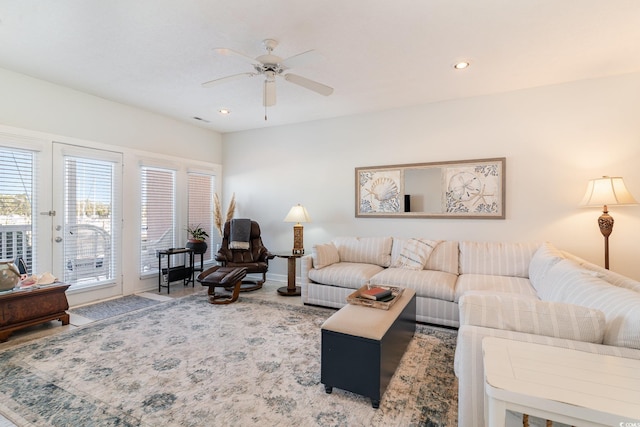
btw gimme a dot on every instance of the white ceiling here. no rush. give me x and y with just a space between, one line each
378 54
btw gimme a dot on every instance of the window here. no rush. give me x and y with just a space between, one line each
158 218
200 193
17 207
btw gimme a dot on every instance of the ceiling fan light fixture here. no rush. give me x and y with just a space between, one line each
271 67
461 65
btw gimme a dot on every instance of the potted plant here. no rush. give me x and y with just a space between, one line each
197 237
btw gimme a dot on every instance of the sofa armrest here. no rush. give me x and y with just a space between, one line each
306 264
532 316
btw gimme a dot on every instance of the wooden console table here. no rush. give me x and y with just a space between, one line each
32 306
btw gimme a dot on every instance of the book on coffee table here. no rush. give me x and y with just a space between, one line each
376 293
384 302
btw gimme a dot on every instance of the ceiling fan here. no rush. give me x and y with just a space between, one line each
271 66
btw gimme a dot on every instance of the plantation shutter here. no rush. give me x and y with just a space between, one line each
158 217
200 193
18 229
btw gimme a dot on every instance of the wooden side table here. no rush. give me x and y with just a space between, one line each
574 387
32 306
291 289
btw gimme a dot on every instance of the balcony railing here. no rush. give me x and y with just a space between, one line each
89 258
15 241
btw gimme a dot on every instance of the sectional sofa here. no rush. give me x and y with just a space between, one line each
450 268
521 291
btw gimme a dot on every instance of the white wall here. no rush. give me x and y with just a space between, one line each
47 112
37 105
555 139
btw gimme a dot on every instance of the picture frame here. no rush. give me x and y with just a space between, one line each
469 189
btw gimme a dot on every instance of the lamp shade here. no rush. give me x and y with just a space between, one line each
297 214
608 190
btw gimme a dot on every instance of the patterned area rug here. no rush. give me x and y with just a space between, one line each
114 307
188 363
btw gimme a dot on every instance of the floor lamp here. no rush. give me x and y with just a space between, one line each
607 191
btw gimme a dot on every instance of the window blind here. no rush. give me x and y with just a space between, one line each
158 218
17 206
200 194
90 221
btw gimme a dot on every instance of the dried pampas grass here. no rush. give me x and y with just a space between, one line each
232 207
217 211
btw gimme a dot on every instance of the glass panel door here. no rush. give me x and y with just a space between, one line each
87 223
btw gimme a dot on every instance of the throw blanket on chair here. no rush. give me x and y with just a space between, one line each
240 233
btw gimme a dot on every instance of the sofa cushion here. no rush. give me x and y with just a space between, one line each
484 282
414 254
607 275
324 255
568 282
543 259
529 315
443 258
345 274
496 258
368 250
426 283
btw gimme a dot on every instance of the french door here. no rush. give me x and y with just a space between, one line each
87 218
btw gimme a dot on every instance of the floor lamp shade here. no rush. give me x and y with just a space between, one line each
298 214
607 191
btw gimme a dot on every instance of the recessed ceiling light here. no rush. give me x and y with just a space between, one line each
224 111
461 65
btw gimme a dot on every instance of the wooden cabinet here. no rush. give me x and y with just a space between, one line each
32 306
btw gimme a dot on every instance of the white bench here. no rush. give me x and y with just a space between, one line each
362 346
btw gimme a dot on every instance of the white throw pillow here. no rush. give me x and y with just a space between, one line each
415 253
324 255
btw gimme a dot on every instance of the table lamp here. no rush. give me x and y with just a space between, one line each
607 191
297 214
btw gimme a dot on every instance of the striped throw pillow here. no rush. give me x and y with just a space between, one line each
415 253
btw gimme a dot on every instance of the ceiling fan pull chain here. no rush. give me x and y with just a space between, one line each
264 99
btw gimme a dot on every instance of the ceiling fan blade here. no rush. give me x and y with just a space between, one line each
309 84
301 59
230 52
216 82
269 95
